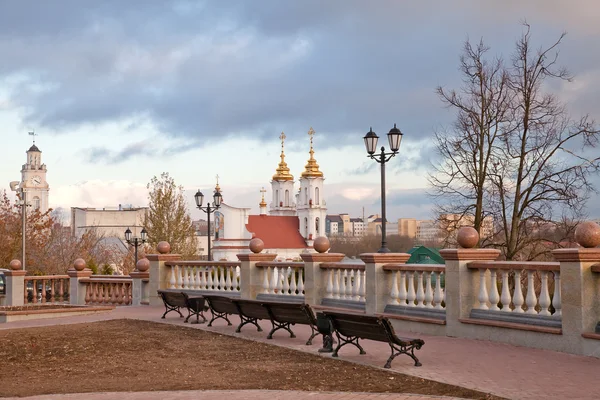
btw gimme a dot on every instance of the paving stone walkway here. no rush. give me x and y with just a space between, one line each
504 370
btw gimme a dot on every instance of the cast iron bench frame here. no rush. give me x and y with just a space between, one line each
283 315
173 301
351 327
196 305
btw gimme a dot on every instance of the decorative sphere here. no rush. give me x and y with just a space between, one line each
256 245
587 234
15 265
163 247
321 244
143 265
467 237
79 264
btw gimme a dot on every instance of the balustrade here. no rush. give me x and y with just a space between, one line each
345 281
417 285
283 278
46 289
204 275
113 291
519 287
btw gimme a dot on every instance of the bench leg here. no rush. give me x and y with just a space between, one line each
314 333
198 315
409 351
280 325
245 321
342 341
169 308
216 315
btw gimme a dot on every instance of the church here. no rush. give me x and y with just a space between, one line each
33 180
294 218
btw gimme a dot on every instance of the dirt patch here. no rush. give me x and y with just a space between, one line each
131 355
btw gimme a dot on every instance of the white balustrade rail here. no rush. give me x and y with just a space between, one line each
417 285
283 278
519 287
218 276
345 281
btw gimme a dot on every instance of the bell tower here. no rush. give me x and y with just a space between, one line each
282 187
33 179
311 207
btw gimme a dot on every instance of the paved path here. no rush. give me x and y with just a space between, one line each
234 395
504 370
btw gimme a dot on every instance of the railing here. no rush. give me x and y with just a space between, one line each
108 289
216 276
46 289
283 278
345 281
417 285
526 296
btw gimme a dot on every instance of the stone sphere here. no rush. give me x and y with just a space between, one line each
587 234
467 237
79 264
256 245
321 244
163 247
143 265
15 265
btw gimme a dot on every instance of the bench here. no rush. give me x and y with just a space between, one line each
220 307
351 327
283 315
175 301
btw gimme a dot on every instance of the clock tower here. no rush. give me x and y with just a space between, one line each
33 180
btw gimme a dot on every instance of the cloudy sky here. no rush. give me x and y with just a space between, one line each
120 91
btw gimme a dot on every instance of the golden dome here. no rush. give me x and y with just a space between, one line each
311 169
263 203
283 171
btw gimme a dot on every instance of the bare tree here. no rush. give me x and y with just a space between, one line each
167 217
524 161
459 183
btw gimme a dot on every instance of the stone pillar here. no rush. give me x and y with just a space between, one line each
461 283
140 283
77 288
580 288
251 277
377 285
315 278
15 284
159 274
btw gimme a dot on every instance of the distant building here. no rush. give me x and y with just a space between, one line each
407 227
108 221
333 225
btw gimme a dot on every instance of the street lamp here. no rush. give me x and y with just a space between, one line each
14 186
199 197
394 139
136 241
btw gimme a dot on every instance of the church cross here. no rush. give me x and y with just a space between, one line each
311 133
282 138
263 191
217 176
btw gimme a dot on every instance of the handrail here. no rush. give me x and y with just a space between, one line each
203 263
46 277
291 264
341 265
515 265
415 267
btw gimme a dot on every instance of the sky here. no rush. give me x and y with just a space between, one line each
120 91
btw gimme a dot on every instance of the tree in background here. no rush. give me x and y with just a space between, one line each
524 161
354 246
167 217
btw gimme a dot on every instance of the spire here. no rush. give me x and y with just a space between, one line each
263 203
311 169
33 147
283 171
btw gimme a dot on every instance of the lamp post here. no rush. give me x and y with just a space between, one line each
15 187
394 139
208 209
136 241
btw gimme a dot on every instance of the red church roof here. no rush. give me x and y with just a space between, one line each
277 232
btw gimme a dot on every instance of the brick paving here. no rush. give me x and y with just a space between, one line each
502 369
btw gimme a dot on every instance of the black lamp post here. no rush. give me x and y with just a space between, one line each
394 138
136 241
199 197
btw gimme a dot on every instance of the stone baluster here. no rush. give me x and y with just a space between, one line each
336 284
317 281
378 285
402 293
544 295
412 295
77 273
531 298
518 294
395 291
253 279
228 281
505 299
494 295
159 273
293 285
437 296
428 290
286 286
462 285
556 299
420 291
301 281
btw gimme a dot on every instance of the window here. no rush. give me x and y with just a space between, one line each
305 195
277 198
316 195
305 227
36 203
317 225
287 198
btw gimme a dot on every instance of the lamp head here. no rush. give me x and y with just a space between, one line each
394 138
128 235
199 197
217 199
371 141
144 235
